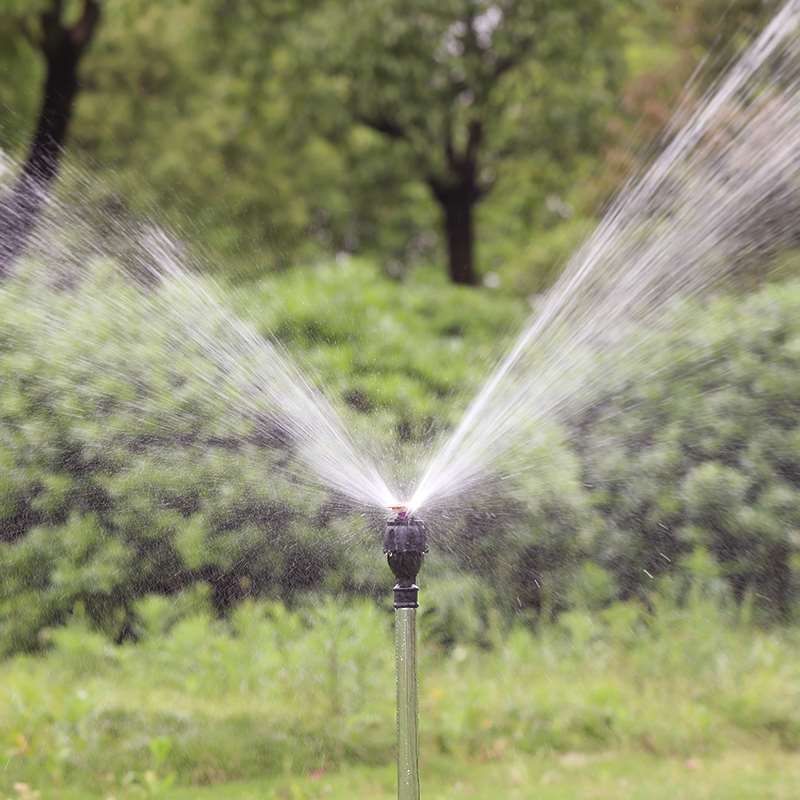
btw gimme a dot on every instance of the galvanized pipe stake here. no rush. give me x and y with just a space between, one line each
405 546
405 640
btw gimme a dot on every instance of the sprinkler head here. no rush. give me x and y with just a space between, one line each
405 545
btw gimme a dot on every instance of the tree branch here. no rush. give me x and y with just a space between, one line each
382 124
51 26
55 34
520 52
82 31
410 134
474 139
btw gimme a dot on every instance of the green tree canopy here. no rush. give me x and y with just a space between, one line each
462 86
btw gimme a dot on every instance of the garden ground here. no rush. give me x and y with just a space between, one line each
673 702
766 774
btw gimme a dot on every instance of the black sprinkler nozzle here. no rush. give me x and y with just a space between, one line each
405 545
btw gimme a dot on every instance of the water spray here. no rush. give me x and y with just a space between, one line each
405 546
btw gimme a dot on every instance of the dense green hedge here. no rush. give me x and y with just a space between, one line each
700 451
120 476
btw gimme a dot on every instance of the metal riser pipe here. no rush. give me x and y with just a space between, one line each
405 546
405 639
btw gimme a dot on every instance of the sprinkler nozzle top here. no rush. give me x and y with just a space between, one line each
400 510
405 533
405 545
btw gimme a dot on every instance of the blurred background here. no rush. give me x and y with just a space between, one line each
388 188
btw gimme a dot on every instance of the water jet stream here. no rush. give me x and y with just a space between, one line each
149 282
724 191
705 206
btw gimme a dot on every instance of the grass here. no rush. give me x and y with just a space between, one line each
566 776
679 702
736 775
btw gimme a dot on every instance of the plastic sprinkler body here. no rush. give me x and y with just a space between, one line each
405 546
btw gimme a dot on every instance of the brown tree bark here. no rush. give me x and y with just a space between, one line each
62 47
458 191
459 225
457 202
458 195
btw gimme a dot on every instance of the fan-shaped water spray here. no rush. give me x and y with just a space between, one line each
252 376
720 193
723 190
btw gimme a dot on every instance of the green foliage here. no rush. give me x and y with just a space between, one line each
528 540
117 481
242 121
458 91
416 348
122 476
248 103
699 449
533 267
431 72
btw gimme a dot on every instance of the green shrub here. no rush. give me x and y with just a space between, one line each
121 475
700 448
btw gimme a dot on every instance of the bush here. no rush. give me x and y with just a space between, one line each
121 475
700 450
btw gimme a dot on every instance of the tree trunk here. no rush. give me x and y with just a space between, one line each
458 208
62 48
58 100
22 207
777 581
